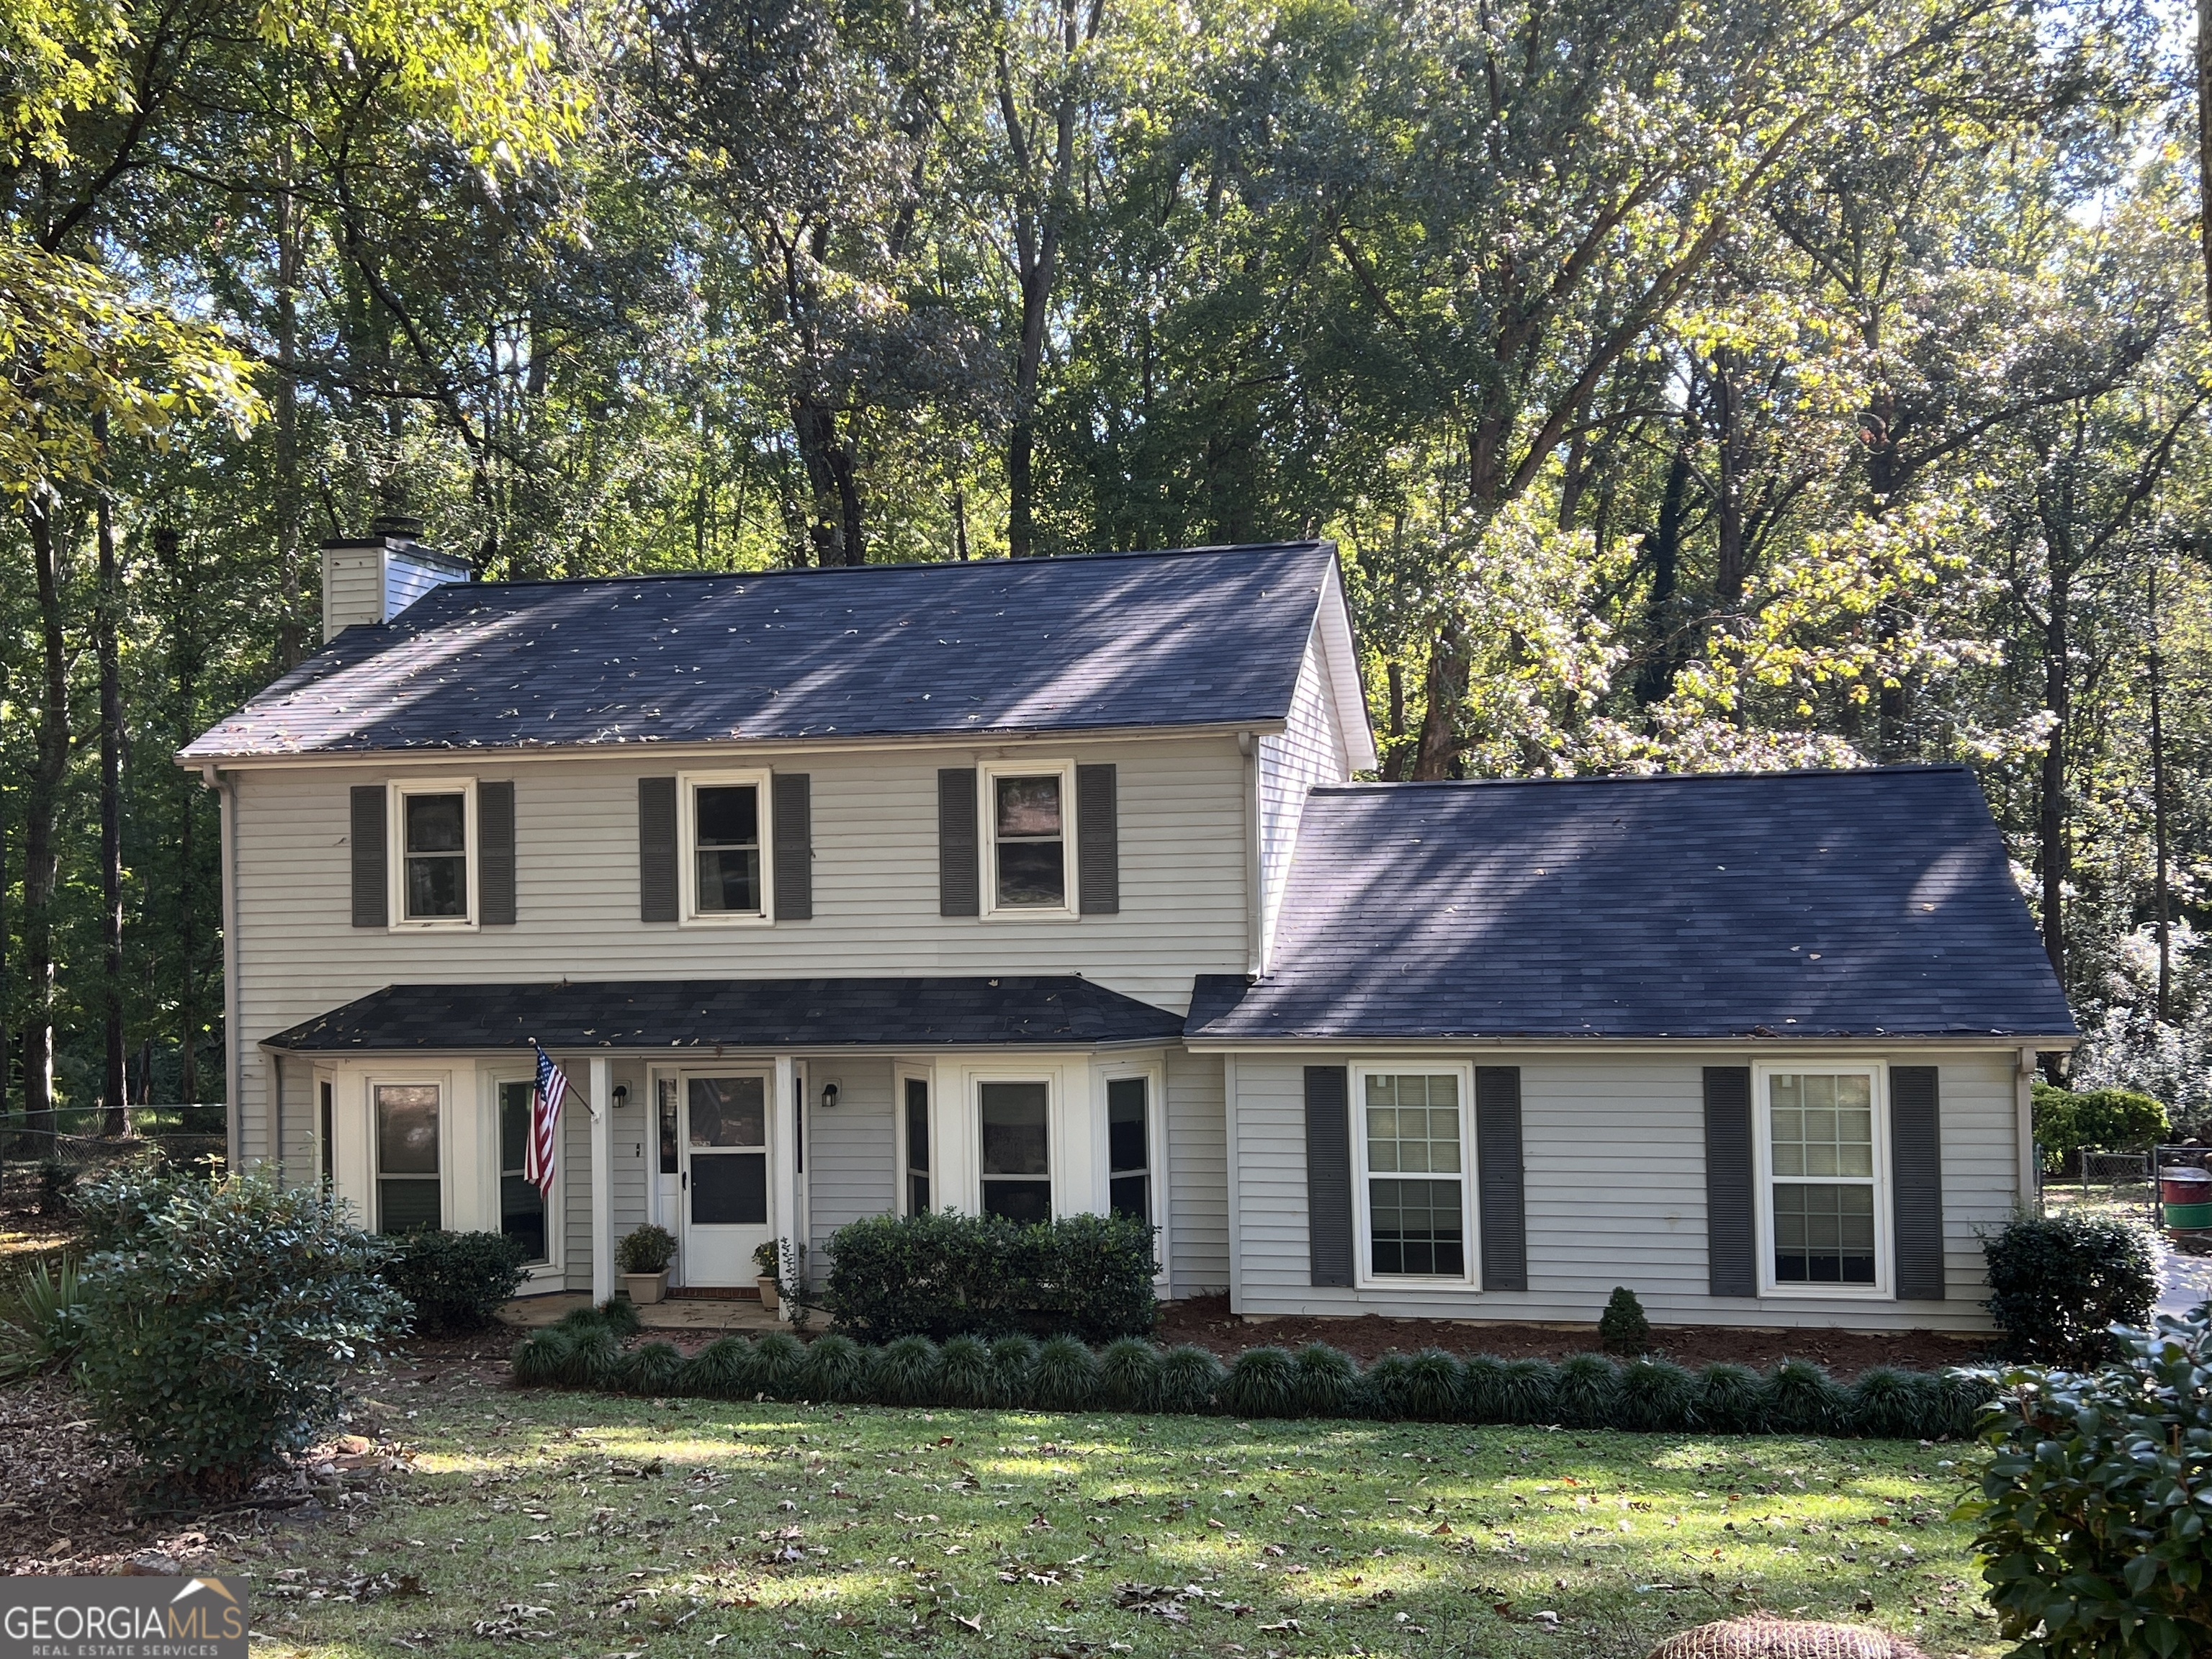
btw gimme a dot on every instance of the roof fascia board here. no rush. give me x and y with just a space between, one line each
1801 1046
1028 738
1340 661
708 1053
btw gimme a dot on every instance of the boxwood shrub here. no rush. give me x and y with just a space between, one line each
2058 1284
951 1275
455 1281
1063 1374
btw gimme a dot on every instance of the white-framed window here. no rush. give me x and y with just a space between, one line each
433 844
1028 815
1014 1139
1414 1157
917 1191
1131 1149
523 1211
326 1131
1821 1139
407 1138
727 871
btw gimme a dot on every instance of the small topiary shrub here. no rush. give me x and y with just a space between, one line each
906 1372
1800 1397
455 1281
2091 1520
1327 1381
1263 1382
1528 1392
1655 1396
1622 1328
941 1274
2058 1282
653 1368
1435 1390
647 1249
964 1372
222 1320
1729 1399
1065 1378
836 1368
1012 1359
1588 1385
1191 1379
1129 1374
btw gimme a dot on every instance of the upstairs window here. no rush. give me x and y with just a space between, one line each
1027 819
435 829
725 853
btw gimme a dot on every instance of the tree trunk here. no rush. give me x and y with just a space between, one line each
284 397
183 666
1439 747
2052 857
113 1093
1655 680
2162 889
42 854
2205 138
834 522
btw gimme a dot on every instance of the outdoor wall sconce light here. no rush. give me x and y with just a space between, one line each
829 1096
621 1095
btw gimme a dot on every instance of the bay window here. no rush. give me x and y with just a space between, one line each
1017 1148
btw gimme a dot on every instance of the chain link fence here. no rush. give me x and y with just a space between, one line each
39 1167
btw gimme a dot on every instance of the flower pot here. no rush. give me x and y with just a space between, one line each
768 1293
645 1289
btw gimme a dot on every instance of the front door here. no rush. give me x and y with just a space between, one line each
723 1178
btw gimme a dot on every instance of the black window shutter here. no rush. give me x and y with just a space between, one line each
1328 1174
656 849
495 852
370 888
1731 1249
1498 1188
1098 838
794 847
1916 1165
959 890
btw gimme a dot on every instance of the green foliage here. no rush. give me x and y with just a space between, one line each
1435 1387
779 1360
223 1320
905 1372
1263 1382
1730 1399
1013 1358
964 1371
1655 1394
2058 1283
43 1322
1382 1387
1190 1380
1129 1373
2099 1119
651 1368
941 1274
835 1368
455 1281
2095 1506
720 1370
1065 1376
1327 1381
1800 1397
646 1249
1528 1391
1588 1384
1622 1327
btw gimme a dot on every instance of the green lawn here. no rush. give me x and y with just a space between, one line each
606 1526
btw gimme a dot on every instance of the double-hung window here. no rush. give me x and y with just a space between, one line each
1129 1147
1028 855
409 1167
434 876
1016 1143
521 1202
1820 1140
726 853
914 1104
1412 1142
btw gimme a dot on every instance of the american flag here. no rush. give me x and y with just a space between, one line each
544 1122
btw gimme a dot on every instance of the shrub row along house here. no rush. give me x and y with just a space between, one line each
1044 887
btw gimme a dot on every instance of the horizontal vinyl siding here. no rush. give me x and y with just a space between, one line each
1197 1174
1308 752
1614 1161
849 1150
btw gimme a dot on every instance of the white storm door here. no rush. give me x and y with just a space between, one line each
723 1178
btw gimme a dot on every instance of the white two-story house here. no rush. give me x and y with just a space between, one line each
1044 886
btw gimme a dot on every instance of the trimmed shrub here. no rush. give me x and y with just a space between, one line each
1655 1396
905 1372
2058 1282
1190 1379
1528 1393
455 1281
2090 1523
1012 1359
646 1249
720 1370
964 1372
779 1358
1622 1327
1328 1383
1129 1374
653 1368
942 1275
835 1368
1800 1397
1588 1386
1729 1399
1382 1387
1065 1376
1435 1389
543 1359
2105 1120
1263 1382
1887 1404
222 1320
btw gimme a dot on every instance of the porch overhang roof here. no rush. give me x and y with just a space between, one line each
912 1012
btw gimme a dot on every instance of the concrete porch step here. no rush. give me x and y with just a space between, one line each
684 1314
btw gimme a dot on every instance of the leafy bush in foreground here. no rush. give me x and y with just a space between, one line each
455 1281
2058 1284
2094 1508
222 1320
1015 1372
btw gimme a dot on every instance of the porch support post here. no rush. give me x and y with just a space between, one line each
603 1186
787 1166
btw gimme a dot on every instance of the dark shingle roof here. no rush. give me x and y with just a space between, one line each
1180 638
1876 902
738 1013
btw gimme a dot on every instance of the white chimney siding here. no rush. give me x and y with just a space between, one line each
375 580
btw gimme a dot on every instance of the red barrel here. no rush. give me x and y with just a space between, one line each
2178 1185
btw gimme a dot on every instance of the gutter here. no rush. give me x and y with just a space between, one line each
234 1044
1554 1044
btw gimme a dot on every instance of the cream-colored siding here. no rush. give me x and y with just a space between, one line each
849 1149
1197 1177
1308 752
1613 1157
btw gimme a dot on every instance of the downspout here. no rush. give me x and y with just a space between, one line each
234 1049
1256 903
2031 1174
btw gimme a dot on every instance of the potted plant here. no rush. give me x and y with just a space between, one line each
643 1255
768 1258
